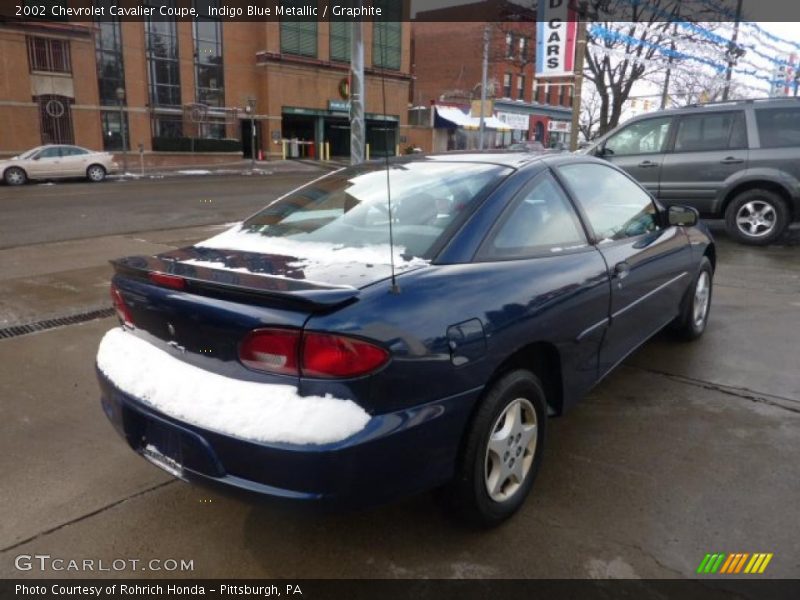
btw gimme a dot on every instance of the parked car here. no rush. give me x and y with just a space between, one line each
282 358
57 162
527 146
734 160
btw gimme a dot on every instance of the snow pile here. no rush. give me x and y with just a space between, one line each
220 266
254 411
309 254
195 172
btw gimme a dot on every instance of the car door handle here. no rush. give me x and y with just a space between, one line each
622 270
648 163
731 160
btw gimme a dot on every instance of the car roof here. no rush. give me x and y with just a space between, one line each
721 106
507 158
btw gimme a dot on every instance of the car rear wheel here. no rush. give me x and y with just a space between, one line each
95 173
15 176
757 217
502 451
692 321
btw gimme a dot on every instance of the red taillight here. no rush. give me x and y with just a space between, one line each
272 350
123 312
326 355
171 281
322 354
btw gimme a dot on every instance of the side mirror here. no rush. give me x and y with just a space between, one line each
37 157
682 216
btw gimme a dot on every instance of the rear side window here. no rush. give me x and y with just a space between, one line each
778 127
542 221
716 131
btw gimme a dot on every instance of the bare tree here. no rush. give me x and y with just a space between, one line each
633 50
590 114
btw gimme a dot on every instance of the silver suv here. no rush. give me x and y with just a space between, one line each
735 160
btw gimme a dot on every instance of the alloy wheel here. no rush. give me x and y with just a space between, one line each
15 177
756 218
96 173
511 448
702 297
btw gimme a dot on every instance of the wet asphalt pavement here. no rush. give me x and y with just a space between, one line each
686 449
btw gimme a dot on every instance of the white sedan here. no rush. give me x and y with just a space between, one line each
56 162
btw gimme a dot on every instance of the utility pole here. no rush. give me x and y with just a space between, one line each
665 91
580 50
484 82
733 53
357 133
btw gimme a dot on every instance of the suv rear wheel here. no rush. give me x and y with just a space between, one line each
757 217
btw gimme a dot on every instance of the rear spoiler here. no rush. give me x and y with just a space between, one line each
228 284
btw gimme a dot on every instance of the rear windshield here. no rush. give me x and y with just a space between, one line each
778 127
350 209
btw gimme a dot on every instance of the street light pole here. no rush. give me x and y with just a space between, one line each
732 52
250 110
120 99
484 82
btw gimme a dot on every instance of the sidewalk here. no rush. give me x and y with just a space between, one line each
239 167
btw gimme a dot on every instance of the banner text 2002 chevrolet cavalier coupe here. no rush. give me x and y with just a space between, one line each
281 358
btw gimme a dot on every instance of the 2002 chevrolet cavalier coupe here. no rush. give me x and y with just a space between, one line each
282 358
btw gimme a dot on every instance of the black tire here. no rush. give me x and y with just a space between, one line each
468 494
758 232
15 176
688 326
95 173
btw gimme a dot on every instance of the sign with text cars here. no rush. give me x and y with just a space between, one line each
556 29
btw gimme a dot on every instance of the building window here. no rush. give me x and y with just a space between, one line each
208 60
45 54
520 87
387 35
108 50
562 94
509 45
340 41
55 116
535 92
113 128
523 49
298 37
507 85
163 68
547 93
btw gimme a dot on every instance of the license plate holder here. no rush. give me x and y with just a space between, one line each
163 448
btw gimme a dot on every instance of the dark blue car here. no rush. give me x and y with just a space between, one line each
282 358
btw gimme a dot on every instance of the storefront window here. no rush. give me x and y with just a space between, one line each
298 37
112 130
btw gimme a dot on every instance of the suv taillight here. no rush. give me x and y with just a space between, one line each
311 354
123 312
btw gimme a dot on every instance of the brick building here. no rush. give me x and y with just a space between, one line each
191 88
447 54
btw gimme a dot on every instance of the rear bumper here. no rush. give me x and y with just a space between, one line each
395 455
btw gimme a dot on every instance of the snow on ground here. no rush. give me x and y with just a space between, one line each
245 409
309 254
195 172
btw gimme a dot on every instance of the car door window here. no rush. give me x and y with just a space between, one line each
778 127
615 206
541 221
50 153
715 131
644 137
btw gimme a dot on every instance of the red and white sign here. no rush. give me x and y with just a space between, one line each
556 30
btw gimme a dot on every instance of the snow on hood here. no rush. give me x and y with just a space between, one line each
249 410
310 254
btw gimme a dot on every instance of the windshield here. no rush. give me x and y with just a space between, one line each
30 153
349 209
